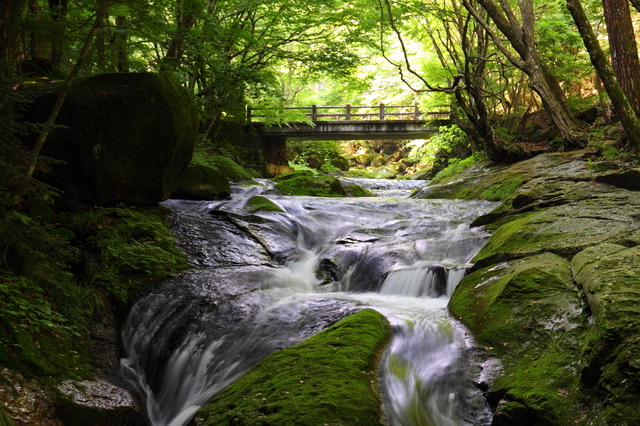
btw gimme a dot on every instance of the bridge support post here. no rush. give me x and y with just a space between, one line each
382 112
274 151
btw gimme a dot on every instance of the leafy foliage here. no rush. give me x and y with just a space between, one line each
324 156
134 248
449 145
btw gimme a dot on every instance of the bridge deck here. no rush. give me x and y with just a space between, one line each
354 130
352 122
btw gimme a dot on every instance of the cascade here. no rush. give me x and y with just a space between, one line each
264 281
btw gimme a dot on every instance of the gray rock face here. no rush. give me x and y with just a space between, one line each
126 138
555 292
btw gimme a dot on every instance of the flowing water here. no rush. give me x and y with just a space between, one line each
263 281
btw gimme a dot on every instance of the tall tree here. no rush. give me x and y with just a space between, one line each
624 51
463 48
621 104
10 11
520 35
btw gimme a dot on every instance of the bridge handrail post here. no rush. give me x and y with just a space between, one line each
314 112
416 112
248 114
381 112
348 112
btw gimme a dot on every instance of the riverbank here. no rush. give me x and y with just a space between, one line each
554 292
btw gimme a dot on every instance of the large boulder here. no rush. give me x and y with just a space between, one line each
554 293
126 137
198 182
329 379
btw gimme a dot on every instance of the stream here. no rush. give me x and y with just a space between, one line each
262 281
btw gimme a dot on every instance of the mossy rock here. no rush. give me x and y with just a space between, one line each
261 204
291 175
229 168
382 172
198 182
317 186
330 379
518 310
565 229
357 191
127 137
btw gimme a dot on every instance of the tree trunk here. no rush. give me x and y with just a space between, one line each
624 52
121 44
542 81
42 137
621 104
58 10
10 11
184 22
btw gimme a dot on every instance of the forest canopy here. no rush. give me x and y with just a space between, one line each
494 64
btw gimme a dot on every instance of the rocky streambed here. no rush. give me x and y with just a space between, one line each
553 295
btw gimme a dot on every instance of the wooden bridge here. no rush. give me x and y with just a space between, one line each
354 122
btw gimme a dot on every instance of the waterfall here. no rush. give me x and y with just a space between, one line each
264 281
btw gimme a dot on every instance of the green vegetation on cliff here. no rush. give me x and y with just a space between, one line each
330 378
317 186
56 279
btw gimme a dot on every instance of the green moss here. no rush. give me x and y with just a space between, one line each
262 204
201 182
358 191
295 174
329 379
518 310
317 186
225 165
515 238
501 191
135 248
457 167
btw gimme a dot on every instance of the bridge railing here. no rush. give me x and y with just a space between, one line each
348 112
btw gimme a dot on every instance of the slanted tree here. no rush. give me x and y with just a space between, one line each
463 48
623 48
519 32
620 102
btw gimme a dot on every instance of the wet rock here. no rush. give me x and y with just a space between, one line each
565 229
318 186
97 403
516 309
198 182
570 351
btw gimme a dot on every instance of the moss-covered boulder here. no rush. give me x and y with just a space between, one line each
126 137
357 191
330 379
201 183
294 174
261 204
530 314
317 186
555 291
